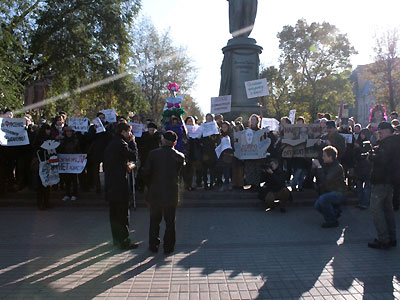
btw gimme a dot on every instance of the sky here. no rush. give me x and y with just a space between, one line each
203 28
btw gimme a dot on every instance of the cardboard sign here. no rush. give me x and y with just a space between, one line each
270 123
348 138
300 139
258 148
79 124
220 105
292 116
48 174
256 88
111 115
99 126
209 128
71 163
13 132
225 144
194 131
137 129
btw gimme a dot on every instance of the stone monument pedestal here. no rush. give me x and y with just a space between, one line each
241 63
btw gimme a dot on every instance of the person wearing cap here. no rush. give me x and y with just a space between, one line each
118 158
383 158
161 173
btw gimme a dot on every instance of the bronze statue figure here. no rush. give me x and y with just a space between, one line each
242 15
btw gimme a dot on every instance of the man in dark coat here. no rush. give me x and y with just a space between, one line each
162 173
118 158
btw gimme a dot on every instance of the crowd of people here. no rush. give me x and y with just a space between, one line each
366 165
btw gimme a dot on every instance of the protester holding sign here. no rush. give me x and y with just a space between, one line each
224 153
70 145
193 155
209 157
42 192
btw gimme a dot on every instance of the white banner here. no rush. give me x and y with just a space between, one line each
137 129
292 116
79 124
99 126
225 144
194 131
111 115
71 163
209 128
256 88
254 148
348 138
270 123
220 105
13 132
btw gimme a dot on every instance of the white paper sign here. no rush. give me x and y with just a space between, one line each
271 123
225 144
249 135
99 126
256 88
79 124
137 129
71 163
292 115
220 105
209 128
12 132
111 115
48 174
194 131
348 138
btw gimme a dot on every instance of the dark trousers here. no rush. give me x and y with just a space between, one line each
119 221
94 174
396 195
71 180
43 197
156 214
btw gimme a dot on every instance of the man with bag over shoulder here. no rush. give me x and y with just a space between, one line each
161 173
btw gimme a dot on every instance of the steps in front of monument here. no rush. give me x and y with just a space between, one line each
189 199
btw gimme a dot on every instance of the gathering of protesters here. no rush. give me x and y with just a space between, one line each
343 159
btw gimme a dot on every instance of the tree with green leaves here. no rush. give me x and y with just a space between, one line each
157 61
385 71
317 57
78 42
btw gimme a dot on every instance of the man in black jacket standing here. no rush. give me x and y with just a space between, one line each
383 157
118 160
162 175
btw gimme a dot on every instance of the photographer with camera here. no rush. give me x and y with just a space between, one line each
275 186
383 158
330 180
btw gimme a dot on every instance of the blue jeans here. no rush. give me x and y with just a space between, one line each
298 178
328 205
363 188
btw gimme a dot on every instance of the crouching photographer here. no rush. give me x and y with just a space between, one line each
274 187
330 181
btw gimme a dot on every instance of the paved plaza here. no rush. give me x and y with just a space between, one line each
221 253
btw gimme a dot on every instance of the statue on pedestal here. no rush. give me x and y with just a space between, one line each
242 15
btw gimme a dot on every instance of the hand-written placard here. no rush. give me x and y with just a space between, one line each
111 115
225 144
194 131
270 123
99 126
300 139
220 105
71 163
292 115
348 138
79 124
12 132
258 147
137 129
256 88
209 128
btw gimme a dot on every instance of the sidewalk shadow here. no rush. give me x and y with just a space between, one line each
373 270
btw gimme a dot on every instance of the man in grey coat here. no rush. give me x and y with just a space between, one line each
161 173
